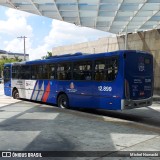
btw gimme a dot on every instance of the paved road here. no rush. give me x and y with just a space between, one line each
28 126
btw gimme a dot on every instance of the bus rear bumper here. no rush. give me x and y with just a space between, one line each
130 104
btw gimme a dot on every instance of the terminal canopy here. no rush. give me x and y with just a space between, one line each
107 15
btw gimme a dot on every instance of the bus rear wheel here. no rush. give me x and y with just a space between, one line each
15 94
63 101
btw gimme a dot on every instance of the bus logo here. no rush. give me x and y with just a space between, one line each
72 88
72 85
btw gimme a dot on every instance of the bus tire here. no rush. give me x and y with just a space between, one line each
15 94
63 101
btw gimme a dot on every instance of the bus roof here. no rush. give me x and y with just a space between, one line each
77 56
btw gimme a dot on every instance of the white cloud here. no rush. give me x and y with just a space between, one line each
39 51
17 45
61 34
16 24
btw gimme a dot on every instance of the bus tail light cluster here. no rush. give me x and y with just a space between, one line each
116 97
127 93
142 94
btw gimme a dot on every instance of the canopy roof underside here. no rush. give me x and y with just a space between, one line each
107 15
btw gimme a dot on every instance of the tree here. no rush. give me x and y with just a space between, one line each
17 59
6 60
49 54
4 57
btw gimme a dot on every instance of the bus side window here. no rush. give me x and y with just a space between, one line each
82 70
19 71
68 73
111 68
25 72
40 72
64 71
14 71
51 72
45 70
60 72
34 72
99 70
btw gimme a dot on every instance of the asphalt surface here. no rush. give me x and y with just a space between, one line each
30 126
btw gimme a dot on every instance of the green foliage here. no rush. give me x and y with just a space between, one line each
49 54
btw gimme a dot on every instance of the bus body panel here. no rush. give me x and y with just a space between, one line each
108 94
80 95
37 90
138 72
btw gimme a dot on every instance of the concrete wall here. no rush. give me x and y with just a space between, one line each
146 41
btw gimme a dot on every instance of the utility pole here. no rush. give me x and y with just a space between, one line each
126 38
24 38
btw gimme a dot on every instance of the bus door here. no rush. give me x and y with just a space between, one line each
7 80
138 76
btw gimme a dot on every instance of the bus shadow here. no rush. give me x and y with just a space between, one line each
69 132
143 119
124 116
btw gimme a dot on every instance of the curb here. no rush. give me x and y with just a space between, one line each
156 98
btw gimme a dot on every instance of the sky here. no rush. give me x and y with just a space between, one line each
43 34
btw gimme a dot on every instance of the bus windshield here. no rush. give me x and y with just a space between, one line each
7 73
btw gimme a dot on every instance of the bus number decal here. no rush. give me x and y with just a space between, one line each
104 88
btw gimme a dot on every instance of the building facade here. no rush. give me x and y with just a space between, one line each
5 54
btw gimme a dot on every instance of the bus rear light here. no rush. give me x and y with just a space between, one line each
141 93
115 96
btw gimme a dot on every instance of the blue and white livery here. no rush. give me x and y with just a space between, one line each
114 81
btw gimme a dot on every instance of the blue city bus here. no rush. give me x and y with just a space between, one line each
115 80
